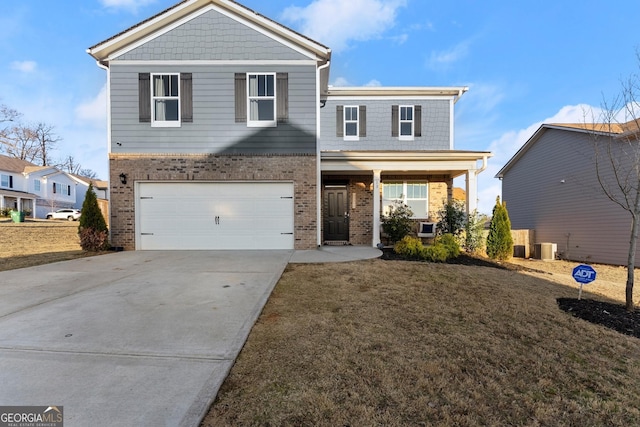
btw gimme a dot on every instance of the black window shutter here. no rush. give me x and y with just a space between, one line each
144 97
282 97
186 98
363 120
241 97
68 190
417 120
339 121
395 120
54 187
10 181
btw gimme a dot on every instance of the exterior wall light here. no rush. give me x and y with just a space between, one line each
123 178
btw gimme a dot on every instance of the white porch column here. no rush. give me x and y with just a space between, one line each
472 191
19 204
376 207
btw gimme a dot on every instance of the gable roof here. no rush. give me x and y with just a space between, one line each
103 50
618 130
11 164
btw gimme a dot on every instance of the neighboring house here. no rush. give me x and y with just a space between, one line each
551 186
224 134
39 189
14 187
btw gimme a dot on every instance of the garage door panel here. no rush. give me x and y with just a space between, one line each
191 215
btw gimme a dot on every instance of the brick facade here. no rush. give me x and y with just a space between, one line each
299 169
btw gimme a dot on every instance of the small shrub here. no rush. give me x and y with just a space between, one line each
398 223
94 235
452 218
499 240
449 242
93 240
5 211
435 253
410 247
474 239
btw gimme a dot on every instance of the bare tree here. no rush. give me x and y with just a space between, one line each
8 114
617 161
47 140
70 165
20 142
88 173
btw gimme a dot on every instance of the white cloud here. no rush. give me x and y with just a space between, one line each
131 5
341 82
444 59
510 142
336 23
24 66
94 110
373 83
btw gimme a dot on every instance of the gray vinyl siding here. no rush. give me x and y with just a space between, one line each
212 36
436 126
576 215
214 129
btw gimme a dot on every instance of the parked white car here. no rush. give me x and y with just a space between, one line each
68 214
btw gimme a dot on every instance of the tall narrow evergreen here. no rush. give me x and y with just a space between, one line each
499 240
93 228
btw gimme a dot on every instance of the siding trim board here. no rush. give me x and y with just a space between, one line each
239 62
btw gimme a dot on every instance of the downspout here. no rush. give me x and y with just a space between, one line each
318 159
484 166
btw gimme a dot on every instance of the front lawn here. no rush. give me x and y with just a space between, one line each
412 343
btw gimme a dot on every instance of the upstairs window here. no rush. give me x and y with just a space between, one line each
6 181
36 185
261 100
351 122
61 189
261 90
406 122
165 100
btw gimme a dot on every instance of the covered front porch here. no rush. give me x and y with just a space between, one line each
18 201
357 189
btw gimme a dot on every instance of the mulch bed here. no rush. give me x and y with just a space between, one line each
610 315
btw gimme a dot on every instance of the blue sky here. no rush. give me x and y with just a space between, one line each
526 63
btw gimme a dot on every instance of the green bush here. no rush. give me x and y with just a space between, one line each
499 240
452 218
444 248
93 228
435 253
410 247
5 211
449 242
398 223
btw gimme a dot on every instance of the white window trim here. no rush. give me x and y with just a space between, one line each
165 123
412 121
37 185
404 199
355 137
262 123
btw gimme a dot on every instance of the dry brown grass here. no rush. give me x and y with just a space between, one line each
407 343
36 242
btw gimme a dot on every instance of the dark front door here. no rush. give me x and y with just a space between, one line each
336 213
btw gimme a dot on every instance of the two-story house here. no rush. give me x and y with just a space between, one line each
223 133
38 190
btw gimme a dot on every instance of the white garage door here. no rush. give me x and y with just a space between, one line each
205 215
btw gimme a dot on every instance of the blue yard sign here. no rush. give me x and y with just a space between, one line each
583 274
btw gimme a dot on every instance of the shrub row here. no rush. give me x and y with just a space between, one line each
444 248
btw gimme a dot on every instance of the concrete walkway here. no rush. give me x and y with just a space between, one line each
335 254
136 338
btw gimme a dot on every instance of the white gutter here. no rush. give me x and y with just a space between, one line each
319 159
484 166
108 70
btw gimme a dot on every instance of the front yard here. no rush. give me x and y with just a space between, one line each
410 343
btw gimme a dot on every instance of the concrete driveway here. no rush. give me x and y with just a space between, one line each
131 338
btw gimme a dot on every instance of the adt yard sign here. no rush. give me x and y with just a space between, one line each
583 274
